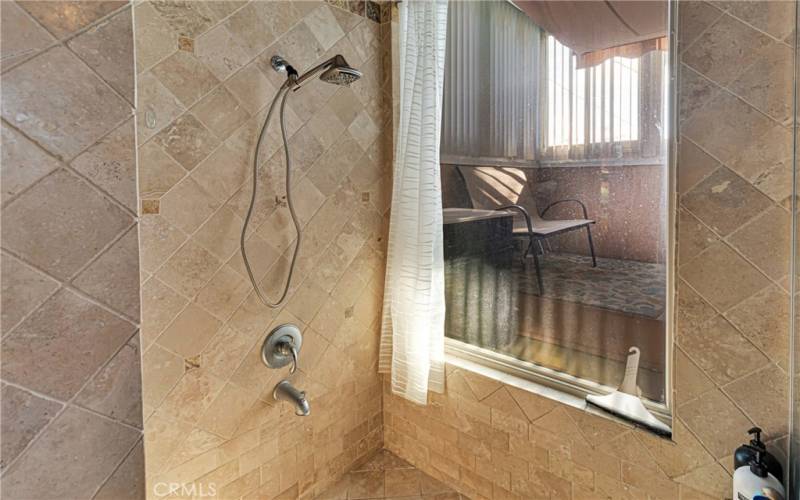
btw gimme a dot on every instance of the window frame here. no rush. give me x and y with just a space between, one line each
551 381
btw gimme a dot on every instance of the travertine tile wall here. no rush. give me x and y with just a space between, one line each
204 82
71 382
491 440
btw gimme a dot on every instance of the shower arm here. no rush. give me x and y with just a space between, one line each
319 68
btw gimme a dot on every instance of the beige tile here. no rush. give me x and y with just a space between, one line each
23 162
67 110
160 305
690 381
692 309
720 350
225 351
773 17
187 141
766 163
191 19
154 38
87 448
324 26
161 370
251 87
157 171
677 456
227 411
111 164
694 165
116 390
21 36
708 274
763 318
64 18
726 49
764 397
724 201
108 49
195 443
224 293
251 29
767 84
774 226
185 77
113 278
193 394
299 44
220 52
726 126
365 39
715 421
24 289
711 479
694 19
159 240
24 416
655 484
40 353
262 258
86 224
220 112
364 130
367 484
695 91
187 205
128 479
190 332
693 236
156 106
189 269
220 233
327 127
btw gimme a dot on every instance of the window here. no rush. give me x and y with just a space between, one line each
608 110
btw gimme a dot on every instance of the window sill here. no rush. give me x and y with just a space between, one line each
558 387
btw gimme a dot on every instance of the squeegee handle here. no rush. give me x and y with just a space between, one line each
628 385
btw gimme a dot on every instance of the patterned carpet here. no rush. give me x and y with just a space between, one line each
628 286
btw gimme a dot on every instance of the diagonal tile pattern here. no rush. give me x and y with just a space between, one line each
71 383
204 85
733 181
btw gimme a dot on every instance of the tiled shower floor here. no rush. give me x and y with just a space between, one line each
388 476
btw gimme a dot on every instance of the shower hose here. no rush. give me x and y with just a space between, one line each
261 296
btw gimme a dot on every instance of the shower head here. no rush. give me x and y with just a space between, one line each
335 70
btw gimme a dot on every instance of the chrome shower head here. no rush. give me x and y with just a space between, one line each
335 70
340 73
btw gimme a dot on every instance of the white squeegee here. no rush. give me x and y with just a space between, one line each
625 401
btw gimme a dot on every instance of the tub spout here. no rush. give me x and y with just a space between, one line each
285 391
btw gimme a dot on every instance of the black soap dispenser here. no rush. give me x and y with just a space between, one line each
756 452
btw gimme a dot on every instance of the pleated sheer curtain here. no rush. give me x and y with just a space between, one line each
412 335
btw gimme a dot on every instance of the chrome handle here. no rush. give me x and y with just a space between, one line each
288 349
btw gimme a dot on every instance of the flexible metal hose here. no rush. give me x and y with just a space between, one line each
264 300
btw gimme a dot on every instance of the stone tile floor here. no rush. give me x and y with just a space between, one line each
387 476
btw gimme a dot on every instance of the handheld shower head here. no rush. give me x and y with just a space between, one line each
335 70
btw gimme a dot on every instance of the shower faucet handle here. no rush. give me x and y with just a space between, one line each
282 346
287 349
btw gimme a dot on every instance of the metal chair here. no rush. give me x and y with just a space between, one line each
489 187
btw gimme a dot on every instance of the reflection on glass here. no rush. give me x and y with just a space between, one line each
555 183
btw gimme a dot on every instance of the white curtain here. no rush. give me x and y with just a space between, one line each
412 336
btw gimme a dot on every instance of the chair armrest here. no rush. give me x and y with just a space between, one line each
524 213
579 202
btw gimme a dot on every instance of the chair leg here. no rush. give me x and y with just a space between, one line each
591 246
538 273
527 250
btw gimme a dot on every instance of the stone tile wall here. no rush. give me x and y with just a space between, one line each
491 440
204 83
71 382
